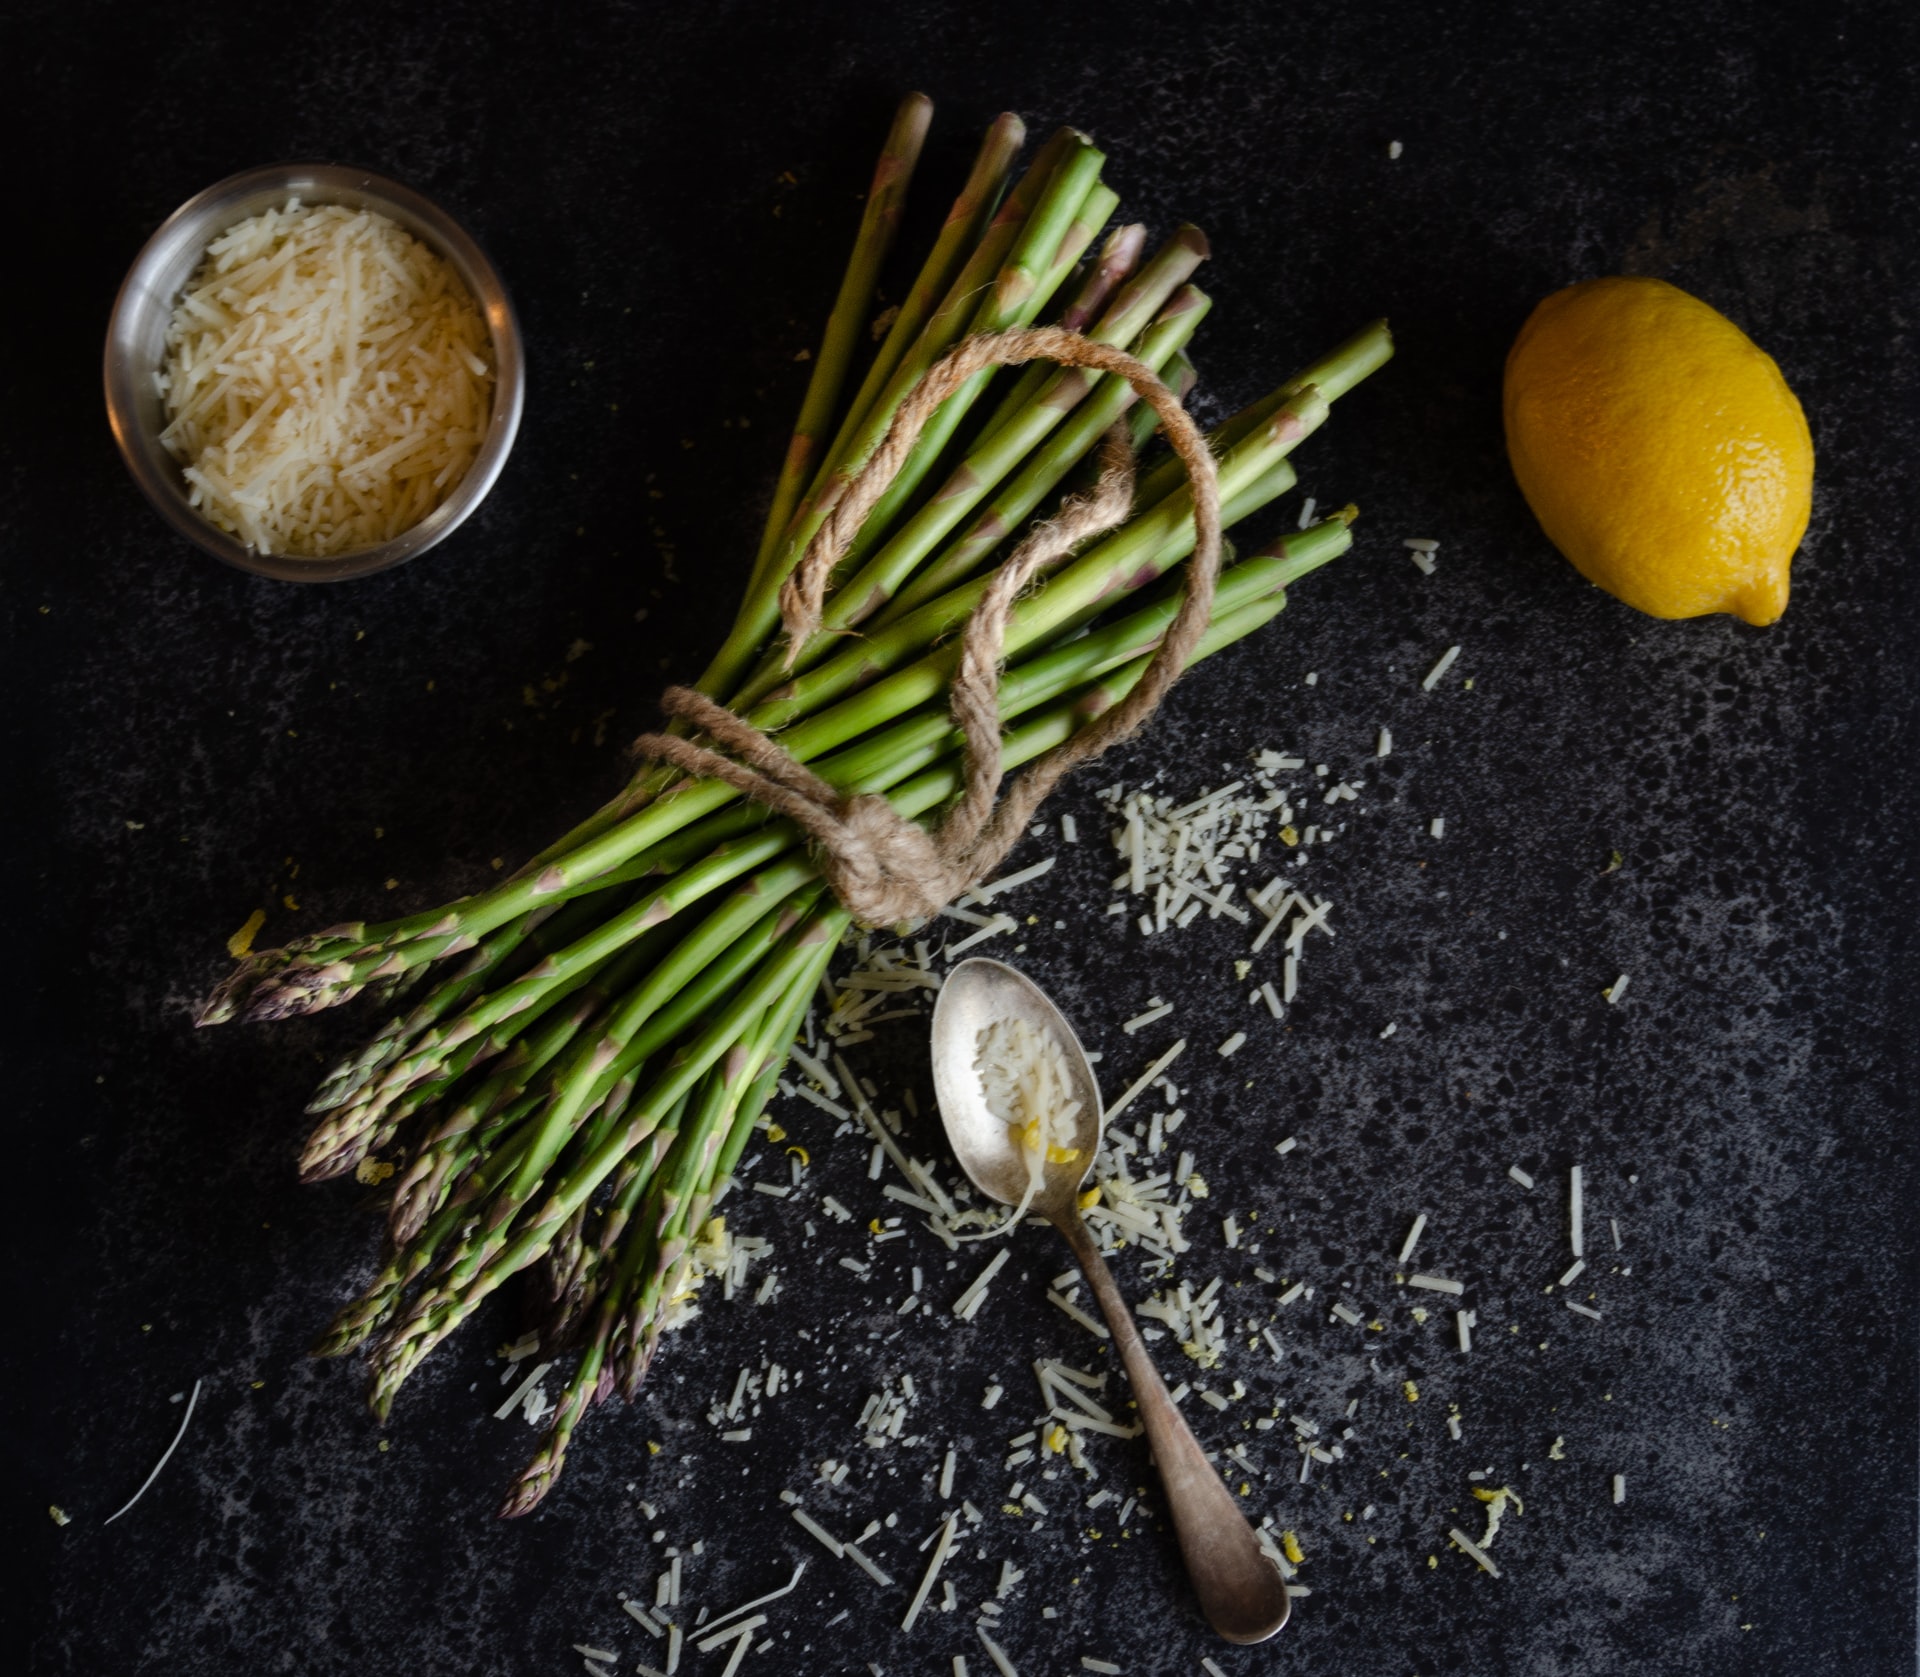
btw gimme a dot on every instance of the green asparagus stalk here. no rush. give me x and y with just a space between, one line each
878 225
1333 375
1042 262
716 954
860 434
1145 304
730 1102
1042 473
960 234
478 1269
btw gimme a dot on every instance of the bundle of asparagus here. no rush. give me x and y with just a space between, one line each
582 1052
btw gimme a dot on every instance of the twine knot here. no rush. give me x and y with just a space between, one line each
883 867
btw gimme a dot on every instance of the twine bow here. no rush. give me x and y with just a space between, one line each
883 867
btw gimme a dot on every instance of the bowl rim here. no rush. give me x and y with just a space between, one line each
156 472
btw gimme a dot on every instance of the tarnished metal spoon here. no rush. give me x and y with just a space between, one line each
1240 1590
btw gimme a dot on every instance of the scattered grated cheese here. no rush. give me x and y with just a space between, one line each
933 1569
706 1644
1139 1020
1097 1329
995 1653
1006 882
521 1392
806 1523
1469 1547
866 1565
1440 669
969 1301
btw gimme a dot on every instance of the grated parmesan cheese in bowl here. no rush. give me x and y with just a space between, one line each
327 382
313 373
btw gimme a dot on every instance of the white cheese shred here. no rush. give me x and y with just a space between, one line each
995 1653
1435 674
1145 1080
746 1628
1436 1284
760 1601
520 1391
933 1571
828 1541
861 1560
1471 1548
166 1456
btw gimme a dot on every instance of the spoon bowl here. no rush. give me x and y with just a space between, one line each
976 994
1240 1589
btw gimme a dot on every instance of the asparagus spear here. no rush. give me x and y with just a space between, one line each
960 234
878 225
1144 304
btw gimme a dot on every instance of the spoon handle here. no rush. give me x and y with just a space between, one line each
1240 1590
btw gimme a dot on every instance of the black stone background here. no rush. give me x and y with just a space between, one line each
181 739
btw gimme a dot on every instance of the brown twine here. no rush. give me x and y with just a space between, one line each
883 867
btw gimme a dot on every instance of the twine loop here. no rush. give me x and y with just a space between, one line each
883 867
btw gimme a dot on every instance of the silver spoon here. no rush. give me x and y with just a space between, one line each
1240 1590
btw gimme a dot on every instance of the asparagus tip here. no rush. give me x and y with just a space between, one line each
531 1488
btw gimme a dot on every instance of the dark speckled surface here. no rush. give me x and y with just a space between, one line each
186 744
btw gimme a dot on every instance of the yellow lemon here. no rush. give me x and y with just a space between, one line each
1660 449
